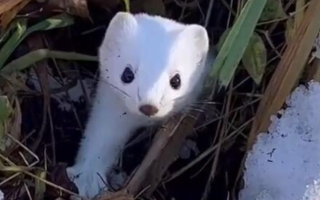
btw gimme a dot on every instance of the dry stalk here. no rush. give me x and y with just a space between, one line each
164 150
287 73
288 70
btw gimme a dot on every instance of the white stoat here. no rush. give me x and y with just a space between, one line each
150 68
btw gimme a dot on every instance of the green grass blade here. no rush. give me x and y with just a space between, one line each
58 21
4 108
6 34
127 5
236 43
5 111
40 54
11 43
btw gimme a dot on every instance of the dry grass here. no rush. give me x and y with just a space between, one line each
34 139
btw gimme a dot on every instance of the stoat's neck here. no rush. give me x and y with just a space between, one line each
108 128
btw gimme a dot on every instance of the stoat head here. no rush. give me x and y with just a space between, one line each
152 63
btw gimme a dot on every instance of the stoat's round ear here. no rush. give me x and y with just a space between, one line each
123 24
196 35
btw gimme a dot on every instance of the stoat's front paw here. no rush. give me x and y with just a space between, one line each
90 182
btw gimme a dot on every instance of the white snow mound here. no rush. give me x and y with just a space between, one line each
285 164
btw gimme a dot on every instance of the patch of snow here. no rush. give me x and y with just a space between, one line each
76 93
285 164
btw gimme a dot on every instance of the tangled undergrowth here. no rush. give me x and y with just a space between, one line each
48 69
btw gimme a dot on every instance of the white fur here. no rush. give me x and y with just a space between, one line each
156 49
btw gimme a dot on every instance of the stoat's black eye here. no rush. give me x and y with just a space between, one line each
175 82
127 75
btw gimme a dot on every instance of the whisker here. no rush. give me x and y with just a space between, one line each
174 100
115 87
196 102
205 102
97 80
189 114
198 105
194 109
180 98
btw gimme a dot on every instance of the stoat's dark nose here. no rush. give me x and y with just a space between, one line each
148 110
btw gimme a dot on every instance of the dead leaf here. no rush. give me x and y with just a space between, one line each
14 80
6 5
73 7
255 58
8 15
